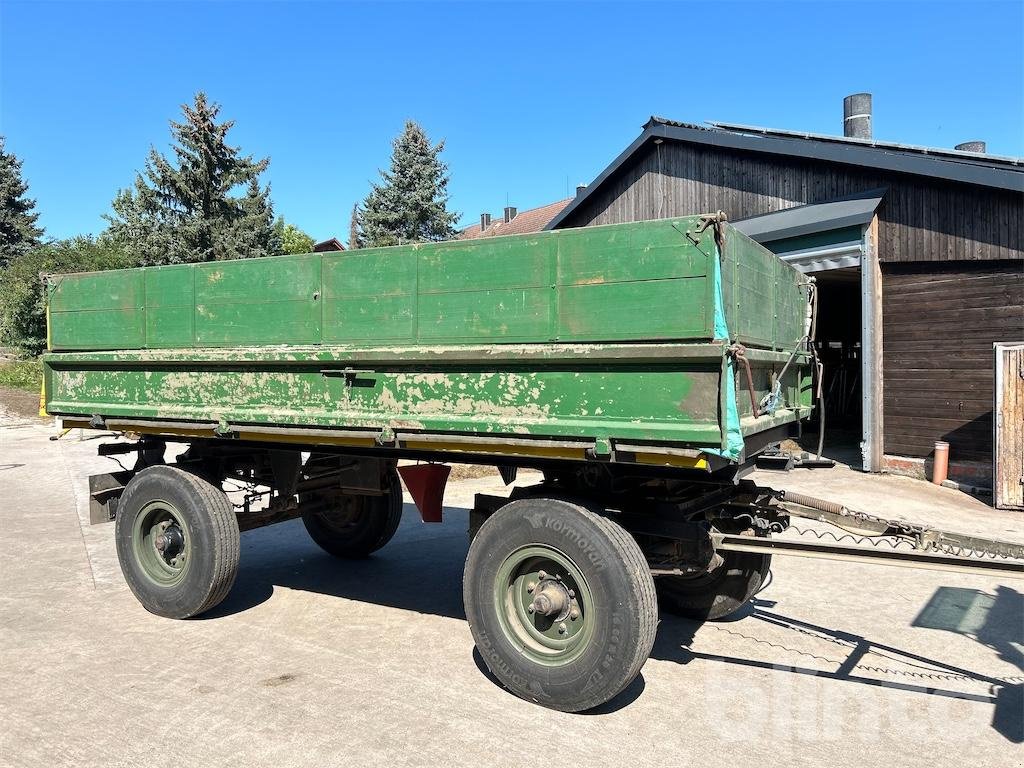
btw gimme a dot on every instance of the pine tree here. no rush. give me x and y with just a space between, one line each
355 239
410 203
18 230
190 210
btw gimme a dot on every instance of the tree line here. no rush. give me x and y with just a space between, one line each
205 202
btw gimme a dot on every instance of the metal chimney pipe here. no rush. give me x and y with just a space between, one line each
580 188
857 116
972 146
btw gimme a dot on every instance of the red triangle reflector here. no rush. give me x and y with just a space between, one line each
426 486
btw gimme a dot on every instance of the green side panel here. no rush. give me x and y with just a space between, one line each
170 306
261 301
655 253
513 314
748 291
98 310
488 264
368 318
765 298
671 404
790 308
118 289
370 272
369 295
655 309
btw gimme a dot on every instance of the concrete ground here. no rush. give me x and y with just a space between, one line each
316 662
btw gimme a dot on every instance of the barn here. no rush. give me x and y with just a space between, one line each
917 253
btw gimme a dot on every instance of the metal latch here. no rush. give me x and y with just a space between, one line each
350 374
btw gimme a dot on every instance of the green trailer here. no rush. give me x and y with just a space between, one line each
640 368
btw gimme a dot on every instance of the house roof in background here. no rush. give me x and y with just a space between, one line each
334 244
524 222
950 165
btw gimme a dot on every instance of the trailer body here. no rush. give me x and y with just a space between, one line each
639 367
612 343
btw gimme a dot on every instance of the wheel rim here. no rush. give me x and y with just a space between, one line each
544 604
160 543
348 515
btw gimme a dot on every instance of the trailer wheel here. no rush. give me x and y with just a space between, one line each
716 594
177 542
560 602
358 524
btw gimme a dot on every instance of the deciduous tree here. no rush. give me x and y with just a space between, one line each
293 239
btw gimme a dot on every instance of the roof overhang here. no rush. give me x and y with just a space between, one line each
811 219
832 216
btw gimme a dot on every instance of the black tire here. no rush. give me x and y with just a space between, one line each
619 615
360 524
209 541
716 594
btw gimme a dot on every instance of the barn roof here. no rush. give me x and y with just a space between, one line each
945 164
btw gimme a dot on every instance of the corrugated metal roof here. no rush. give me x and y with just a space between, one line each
946 154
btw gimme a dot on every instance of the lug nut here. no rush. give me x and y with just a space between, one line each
530 608
542 575
574 614
561 629
531 586
572 593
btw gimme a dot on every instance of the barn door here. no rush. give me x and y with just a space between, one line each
1008 456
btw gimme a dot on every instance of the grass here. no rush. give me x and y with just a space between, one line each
22 374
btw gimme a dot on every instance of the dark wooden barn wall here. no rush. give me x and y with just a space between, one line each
939 322
919 219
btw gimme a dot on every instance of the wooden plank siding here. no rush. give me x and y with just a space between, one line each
1008 477
920 219
940 321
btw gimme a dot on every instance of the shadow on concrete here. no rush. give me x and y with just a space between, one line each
421 570
927 675
997 622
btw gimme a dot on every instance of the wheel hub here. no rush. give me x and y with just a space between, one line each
552 600
160 542
544 603
169 542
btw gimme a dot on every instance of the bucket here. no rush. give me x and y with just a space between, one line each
940 469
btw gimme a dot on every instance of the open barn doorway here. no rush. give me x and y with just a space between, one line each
840 350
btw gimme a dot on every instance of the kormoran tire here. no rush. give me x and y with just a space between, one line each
717 594
362 525
592 568
193 567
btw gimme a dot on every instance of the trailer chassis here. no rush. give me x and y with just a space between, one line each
564 578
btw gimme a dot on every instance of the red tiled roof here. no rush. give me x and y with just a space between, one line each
533 220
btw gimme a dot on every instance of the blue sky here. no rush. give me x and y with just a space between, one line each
531 98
